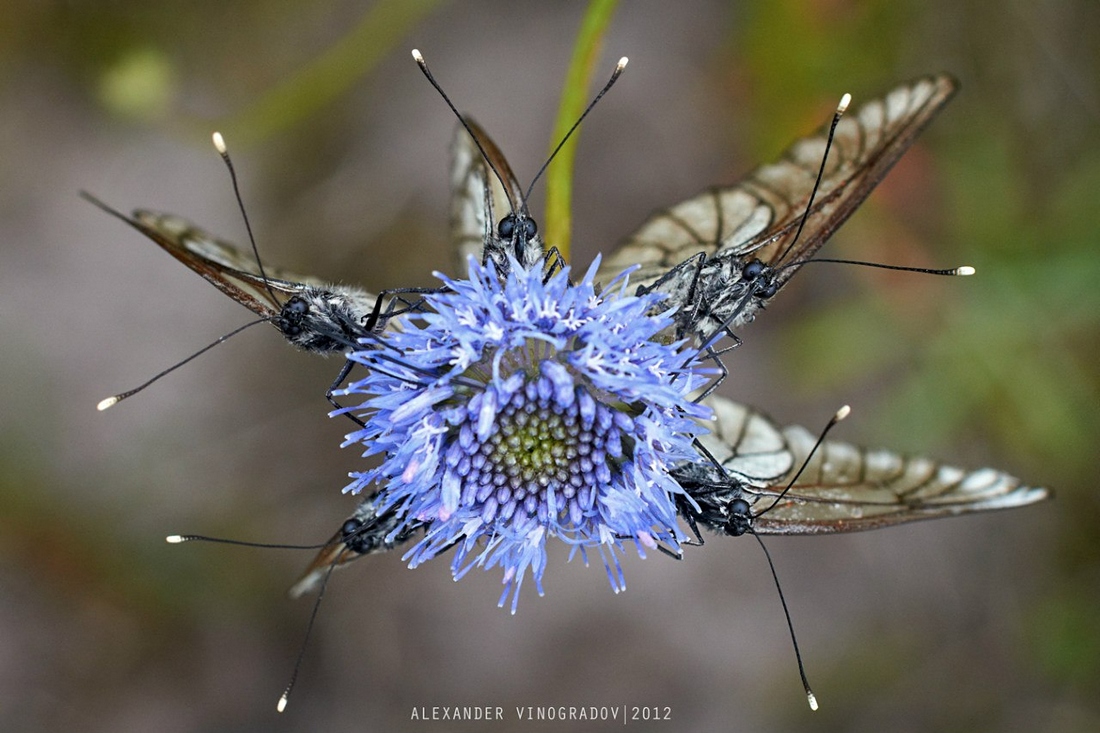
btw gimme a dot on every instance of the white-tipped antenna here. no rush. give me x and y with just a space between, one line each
844 102
115 399
223 151
419 58
517 205
839 415
840 110
176 539
961 271
606 87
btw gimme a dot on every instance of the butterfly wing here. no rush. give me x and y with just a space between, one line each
758 217
220 263
479 199
844 488
313 315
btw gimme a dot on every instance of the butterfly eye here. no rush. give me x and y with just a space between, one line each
290 318
356 542
530 228
752 270
296 306
767 291
507 226
290 325
740 517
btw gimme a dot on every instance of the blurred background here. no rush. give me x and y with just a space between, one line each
987 623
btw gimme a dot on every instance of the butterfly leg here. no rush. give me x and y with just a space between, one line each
699 302
554 262
723 373
660 548
330 394
376 314
689 517
671 553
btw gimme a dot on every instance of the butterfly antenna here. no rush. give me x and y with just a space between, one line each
223 151
115 399
840 110
810 697
619 67
419 58
178 539
285 697
961 271
842 413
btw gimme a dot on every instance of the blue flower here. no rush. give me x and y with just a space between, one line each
515 410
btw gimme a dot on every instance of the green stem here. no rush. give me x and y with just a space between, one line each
574 98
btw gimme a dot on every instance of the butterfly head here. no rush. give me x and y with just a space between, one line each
358 537
761 279
738 517
519 234
291 316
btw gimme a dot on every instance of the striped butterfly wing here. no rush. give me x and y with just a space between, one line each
479 201
843 488
335 314
696 251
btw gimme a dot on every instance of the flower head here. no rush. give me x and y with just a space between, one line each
516 410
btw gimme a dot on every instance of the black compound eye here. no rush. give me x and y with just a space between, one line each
507 226
752 270
296 306
290 325
530 228
767 291
350 527
740 517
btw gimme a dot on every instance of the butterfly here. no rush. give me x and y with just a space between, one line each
772 480
722 255
315 316
368 531
478 194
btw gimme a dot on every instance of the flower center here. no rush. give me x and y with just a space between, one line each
533 447
547 451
